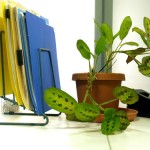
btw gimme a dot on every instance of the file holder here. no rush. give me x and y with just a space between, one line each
45 116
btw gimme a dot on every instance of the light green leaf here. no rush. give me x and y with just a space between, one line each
146 22
106 31
146 61
125 27
145 70
83 49
100 45
130 43
126 95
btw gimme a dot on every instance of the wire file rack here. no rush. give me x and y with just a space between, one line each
4 96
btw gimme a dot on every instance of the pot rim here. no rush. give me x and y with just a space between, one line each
99 76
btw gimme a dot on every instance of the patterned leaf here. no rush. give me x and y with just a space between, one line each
125 27
123 119
86 112
146 61
60 100
145 70
125 94
109 126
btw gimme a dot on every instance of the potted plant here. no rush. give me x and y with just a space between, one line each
88 108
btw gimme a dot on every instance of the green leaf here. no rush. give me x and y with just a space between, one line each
123 119
146 22
106 31
145 70
141 33
133 53
146 61
109 112
71 117
110 126
59 100
86 112
100 45
126 95
125 27
83 49
130 43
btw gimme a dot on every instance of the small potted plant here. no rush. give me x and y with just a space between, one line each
99 84
89 108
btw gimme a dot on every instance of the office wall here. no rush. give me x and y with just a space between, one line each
137 9
71 19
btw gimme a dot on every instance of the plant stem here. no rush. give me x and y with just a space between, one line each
110 148
91 78
95 103
109 101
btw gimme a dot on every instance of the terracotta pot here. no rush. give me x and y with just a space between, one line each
102 89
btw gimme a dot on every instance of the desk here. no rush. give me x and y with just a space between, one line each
60 134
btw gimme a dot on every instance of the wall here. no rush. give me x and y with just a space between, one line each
71 20
137 9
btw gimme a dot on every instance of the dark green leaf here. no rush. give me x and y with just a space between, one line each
109 112
123 119
110 126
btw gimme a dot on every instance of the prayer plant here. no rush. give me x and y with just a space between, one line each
113 120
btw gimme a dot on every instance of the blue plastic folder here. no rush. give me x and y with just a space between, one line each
43 57
24 42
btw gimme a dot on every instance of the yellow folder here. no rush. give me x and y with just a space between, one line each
8 87
5 25
20 69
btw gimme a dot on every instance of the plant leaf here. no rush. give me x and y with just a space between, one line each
145 70
141 33
106 31
146 22
83 49
133 53
146 61
86 112
123 119
109 112
109 126
125 27
59 100
130 43
100 45
126 95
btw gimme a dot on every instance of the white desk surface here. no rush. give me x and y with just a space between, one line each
60 134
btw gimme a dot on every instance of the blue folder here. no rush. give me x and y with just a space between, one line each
43 57
24 41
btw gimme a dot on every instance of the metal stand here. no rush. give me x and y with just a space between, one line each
45 116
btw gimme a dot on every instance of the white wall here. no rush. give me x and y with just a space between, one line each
71 19
137 9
